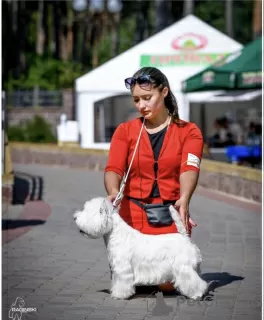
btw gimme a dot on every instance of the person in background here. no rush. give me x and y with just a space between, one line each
235 130
253 134
214 139
166 166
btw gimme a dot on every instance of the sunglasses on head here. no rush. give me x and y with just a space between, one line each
144 82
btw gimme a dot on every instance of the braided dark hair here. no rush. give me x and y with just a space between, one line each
160 82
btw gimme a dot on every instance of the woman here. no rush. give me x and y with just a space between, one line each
166 165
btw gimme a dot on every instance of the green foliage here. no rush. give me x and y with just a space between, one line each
127 31
243 16
16 133
211 12
49 74
126 36
105 49
37 130
32 32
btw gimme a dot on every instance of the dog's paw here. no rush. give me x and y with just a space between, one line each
122 294
121 297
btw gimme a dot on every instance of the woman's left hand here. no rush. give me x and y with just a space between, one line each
182 206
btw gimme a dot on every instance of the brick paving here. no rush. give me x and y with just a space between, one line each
65 276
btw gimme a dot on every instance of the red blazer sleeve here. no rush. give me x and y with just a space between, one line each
118 153
192 149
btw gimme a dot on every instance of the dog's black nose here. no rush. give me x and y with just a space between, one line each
74 218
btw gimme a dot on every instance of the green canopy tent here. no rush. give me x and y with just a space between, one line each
238 71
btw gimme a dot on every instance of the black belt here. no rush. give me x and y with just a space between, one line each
158 214
143 206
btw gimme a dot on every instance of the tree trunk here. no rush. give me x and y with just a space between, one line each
22 37
257 19
39 47
18 42
56 29
106 23
46 28
15 14
85 32
5 25
69 29
229 18
64 27
115 34
40 35
148 25
188 6
75 30
95 39
140 24
163 14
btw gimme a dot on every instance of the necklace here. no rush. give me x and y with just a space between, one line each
157 129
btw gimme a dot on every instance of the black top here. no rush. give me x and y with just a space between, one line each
156 140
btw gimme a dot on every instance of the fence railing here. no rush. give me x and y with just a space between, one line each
39 98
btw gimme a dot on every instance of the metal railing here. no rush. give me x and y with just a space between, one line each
31 98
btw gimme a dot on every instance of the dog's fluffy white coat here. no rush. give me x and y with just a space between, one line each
139 259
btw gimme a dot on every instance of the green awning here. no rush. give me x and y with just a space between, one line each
239 70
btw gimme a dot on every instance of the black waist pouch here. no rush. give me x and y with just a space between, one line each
158 214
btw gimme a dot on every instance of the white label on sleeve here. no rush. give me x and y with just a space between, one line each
193 160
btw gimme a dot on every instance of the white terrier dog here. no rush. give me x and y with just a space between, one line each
140 259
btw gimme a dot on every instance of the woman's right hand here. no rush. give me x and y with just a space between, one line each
111 197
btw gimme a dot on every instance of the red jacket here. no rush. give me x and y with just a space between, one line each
181 151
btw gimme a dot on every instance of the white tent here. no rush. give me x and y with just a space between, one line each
179 51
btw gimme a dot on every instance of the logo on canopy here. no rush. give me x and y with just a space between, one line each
229 58
251 78
189 41
208 77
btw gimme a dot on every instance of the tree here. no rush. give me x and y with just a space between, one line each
56 28
72 37
257 19
142 8
188 7
229 17
163 14
39 46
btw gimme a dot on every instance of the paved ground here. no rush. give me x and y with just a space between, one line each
65 276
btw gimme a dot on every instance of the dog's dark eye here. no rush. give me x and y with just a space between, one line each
101 211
